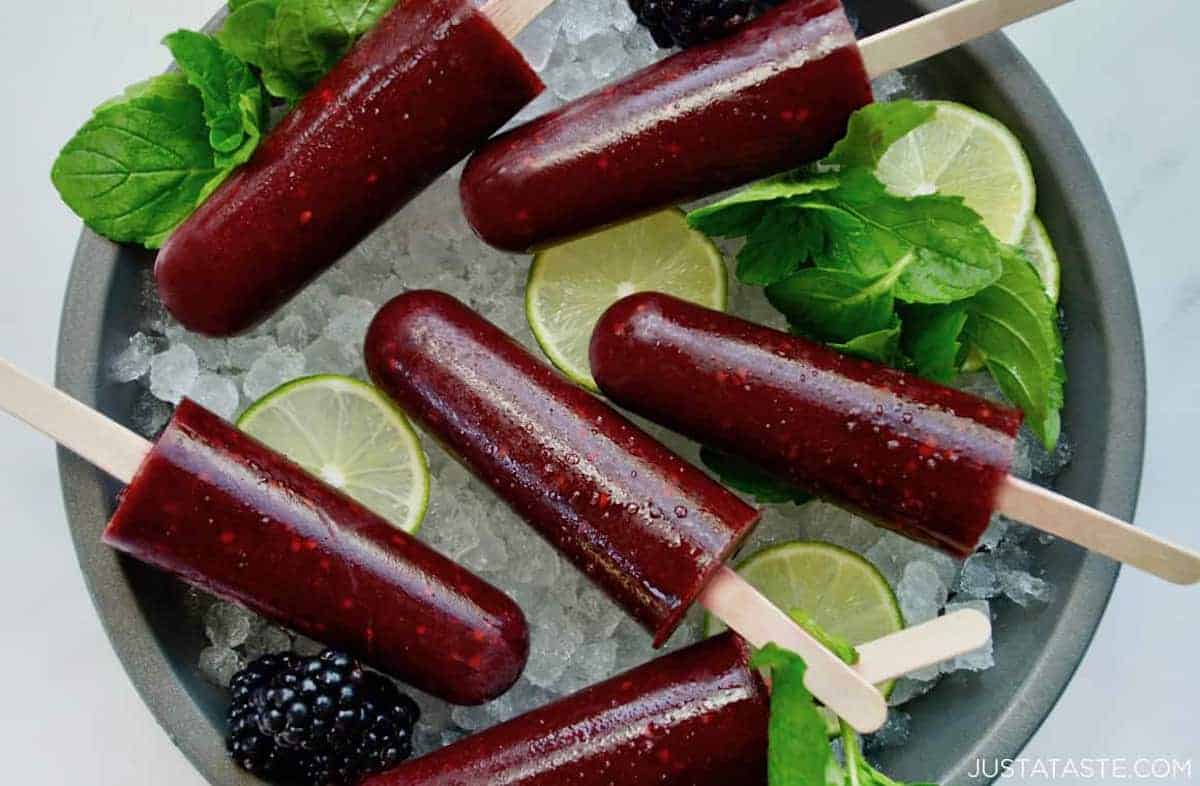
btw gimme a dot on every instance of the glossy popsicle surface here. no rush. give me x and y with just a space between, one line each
774 95
642 523
924 460
223 512
696 717
427 85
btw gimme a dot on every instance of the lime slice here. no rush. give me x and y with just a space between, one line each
1040 251
965 153
348 434
842 592
570 285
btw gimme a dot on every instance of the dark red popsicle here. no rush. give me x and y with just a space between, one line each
772 96
642 523
223 512
924 460
428 84
696 717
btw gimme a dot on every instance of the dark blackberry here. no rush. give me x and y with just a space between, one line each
689 22
320 721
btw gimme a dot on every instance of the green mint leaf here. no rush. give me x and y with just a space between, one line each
233 98
881 346
946 252
875 128
1015 326
931 340
835 305
797 749
306 38
835 644
141 164
245 30
783 241
741 475
739 214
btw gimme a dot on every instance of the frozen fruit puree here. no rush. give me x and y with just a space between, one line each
924 460
223 512
774 95
696 717
642 523
426 86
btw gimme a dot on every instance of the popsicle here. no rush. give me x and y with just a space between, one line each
927 461
647 527
429 83
774 95
696 717
222 511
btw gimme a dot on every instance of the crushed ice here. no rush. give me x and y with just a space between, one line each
579 636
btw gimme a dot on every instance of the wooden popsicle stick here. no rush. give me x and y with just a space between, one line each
744 609
1100 532
922 645
79 428
512 16
934 33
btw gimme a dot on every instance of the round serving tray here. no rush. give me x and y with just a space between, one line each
968 715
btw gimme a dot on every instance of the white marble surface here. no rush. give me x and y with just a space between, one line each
1127 78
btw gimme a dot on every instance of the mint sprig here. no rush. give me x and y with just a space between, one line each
740 475
798 750
906 281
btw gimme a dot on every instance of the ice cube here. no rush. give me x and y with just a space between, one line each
349 325
173 373
218 664
292 332
227 624
266 639
271 370
921 593
216 393
472 718
908 688
133 362
553 640
894 732
149 416
538 39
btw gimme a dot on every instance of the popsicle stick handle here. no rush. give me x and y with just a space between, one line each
81 429
934 33
512 16
744 609
922 645
1100 532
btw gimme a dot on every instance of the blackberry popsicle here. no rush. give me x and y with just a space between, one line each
927 461
431 81
772 96
695 717
229 515
648 528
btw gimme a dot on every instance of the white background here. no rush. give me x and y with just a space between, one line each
1126 73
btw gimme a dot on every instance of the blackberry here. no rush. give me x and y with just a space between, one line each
319 721
689 22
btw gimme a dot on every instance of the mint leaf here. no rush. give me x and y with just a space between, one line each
306 38
881 346
931 340
782 242
875 128
245 30
835 305
741 475
798 751
141 164
738 215
1015 326
835 644
946 252
233 97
